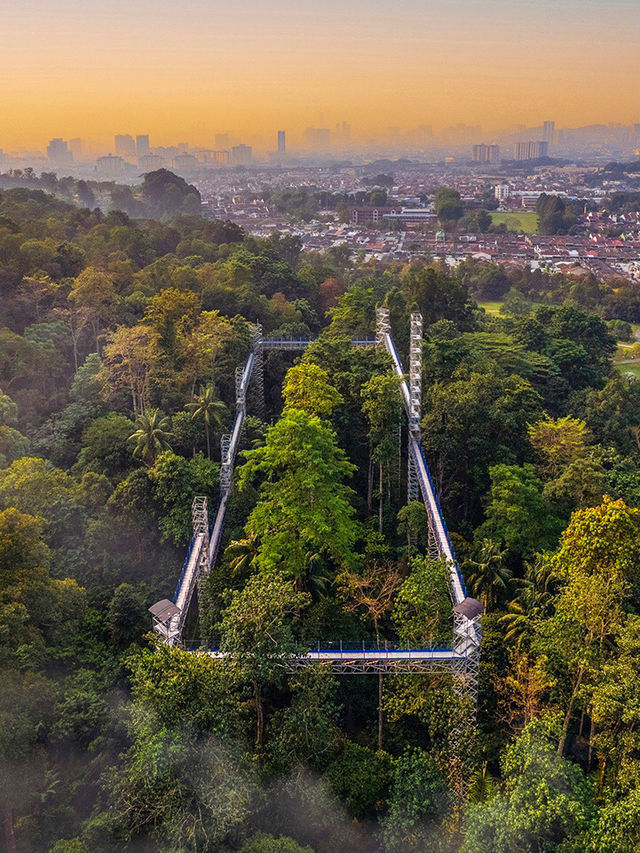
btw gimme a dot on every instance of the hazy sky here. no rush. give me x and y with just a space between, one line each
185 69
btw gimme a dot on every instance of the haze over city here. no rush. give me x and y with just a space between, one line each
189 70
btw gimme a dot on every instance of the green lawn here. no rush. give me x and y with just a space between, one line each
490 307
494 307
623 352
525 222
629 370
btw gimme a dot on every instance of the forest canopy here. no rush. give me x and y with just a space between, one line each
119 341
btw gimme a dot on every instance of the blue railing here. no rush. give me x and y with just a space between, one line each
443 522
184 569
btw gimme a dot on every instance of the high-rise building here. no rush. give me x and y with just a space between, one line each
549 132
318 138
282 142
530 150
58 152
125 146
142 145
486 153
241 155
150 162
110 166
75 146
343 132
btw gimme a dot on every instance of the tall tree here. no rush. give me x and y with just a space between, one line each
151 437
210 409
304 507
382 405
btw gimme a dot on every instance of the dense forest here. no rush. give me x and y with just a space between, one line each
119 341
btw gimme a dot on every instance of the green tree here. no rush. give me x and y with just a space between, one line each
210 409
93 296
486 573
307 387
105 446
422 612
418 797
304 508
256 631
152 436
516 512
598 567
558 442
448 204
544 802
382 405
126 616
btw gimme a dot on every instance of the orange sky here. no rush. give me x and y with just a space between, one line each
186 70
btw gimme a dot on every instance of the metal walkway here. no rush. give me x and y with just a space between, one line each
463 658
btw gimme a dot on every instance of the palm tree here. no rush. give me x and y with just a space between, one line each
151 437
241 554
487 574
211 408
533 599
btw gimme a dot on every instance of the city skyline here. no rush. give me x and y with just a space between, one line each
256 67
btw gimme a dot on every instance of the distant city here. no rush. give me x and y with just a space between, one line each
130 155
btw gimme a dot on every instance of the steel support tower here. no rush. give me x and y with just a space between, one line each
415 401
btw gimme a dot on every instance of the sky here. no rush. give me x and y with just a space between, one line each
187 69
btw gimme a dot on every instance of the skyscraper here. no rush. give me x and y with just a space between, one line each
241 155
530 150
318 138
142 145
75 146
125 146
549 132
486 153
58 152
282 142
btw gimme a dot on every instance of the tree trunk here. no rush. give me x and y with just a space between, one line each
259 714
206 431
380 711
9 836
567 718
381 500
370 485
591 734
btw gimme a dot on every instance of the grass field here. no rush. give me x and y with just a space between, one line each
490 307
526 222
494 307
630 370
624 351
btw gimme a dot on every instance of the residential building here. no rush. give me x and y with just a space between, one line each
549 132
75 146
150 162
58 152
282 142
125 146
318 138
370 215
142 145
530 150
111 167
486 153
241 155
